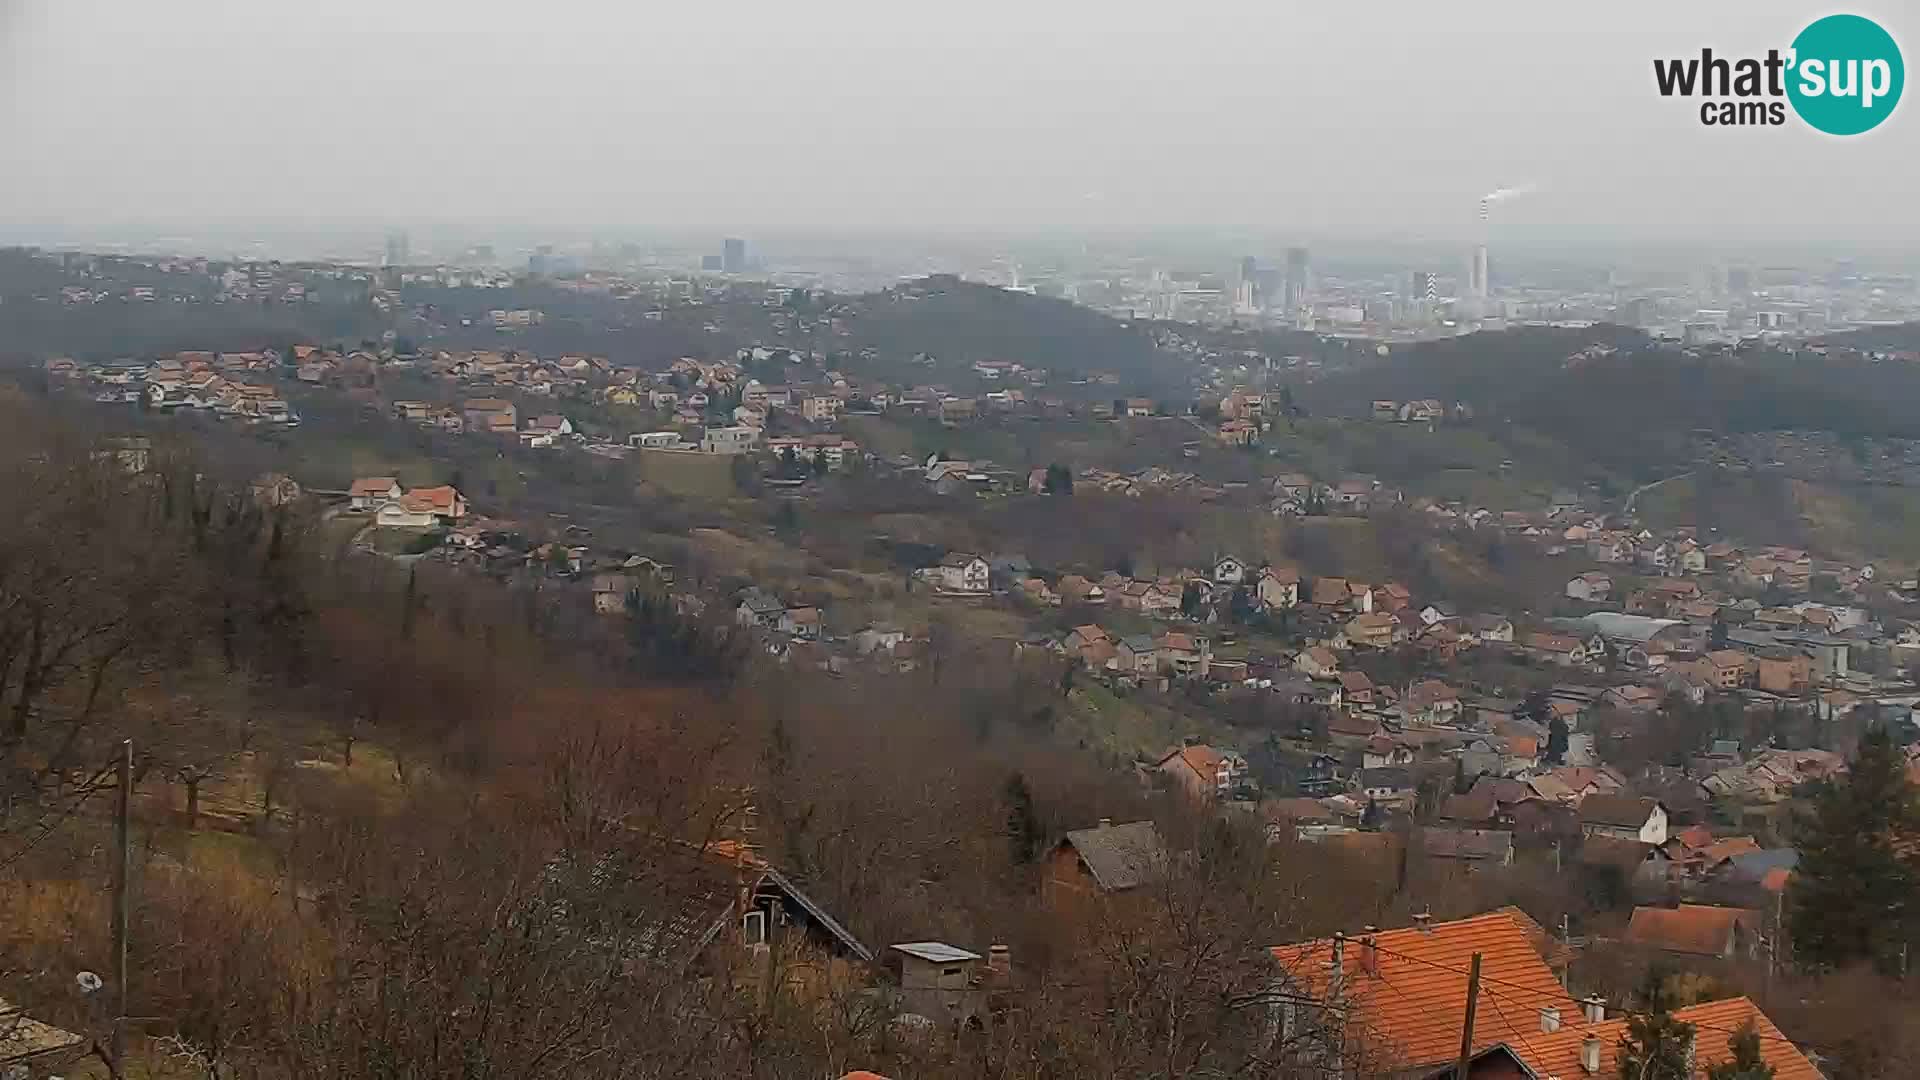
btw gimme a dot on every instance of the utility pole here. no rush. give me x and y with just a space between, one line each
122 871
1466 1032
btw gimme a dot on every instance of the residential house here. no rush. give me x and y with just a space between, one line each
961 573
1186 655
1135 654
1724 669
1407 989
1278 587
1695 930
1624 817
1229 571
1075 589
1390 785
800 622
496 416
1082 636
373 492
1592 586
1433 702
1204 773
1783 671
1374 630
1357 688
1318 662
1496 629
758 608
423 508
1108 859
736 439
1555 648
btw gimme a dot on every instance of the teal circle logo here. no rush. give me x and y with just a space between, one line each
1847 75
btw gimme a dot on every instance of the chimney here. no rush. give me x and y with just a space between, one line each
1106 823
1596 1009
1000 962
1424 921
1590 1055
1369 954
1337 976
1549 1019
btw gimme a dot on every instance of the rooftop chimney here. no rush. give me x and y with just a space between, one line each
1424 921
1596 1009
1590 1055
1000 962
1106 823
1549 1019
1337 975
1369 955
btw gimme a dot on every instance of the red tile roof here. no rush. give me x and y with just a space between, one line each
1558 1054
1410 1004
1696 929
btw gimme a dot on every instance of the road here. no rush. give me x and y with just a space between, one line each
1634 496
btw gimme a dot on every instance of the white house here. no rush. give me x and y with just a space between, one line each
1623 817
961 572
373 492
1229 571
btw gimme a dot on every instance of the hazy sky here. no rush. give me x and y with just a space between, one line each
896 113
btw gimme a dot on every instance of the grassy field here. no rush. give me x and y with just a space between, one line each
698 476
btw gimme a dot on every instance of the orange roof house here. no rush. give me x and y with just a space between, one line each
1571 1050
1404 995
1692 929
1407 989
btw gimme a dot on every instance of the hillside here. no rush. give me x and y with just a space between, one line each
961 323
1636 408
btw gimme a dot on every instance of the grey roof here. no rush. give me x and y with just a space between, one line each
1397 779
1120 856
1755 864
1139 643
1623 811
760 602
935 952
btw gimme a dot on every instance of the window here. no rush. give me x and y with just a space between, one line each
753 927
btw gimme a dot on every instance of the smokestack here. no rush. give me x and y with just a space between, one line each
1596 1009
1590 1055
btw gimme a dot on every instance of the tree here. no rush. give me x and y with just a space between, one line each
1747 1064
1852 898
1556 741
1656 1046
1024 831
1191 598
1059 480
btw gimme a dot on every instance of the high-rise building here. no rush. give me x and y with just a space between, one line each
397 249
733 255
1478 282
1426 287
1299 288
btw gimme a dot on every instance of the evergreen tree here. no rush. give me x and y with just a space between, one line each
1852 897
1024 833
1656 1046
1747 1064
1059 480
1557 741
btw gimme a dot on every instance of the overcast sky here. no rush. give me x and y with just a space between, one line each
830 112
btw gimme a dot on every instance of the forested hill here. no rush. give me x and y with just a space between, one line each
1636 406
961 322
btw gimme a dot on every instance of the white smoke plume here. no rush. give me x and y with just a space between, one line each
1505 193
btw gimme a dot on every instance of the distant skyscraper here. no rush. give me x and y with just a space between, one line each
540 263
397 249
1478 283
1426 287
1299 288
733 255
